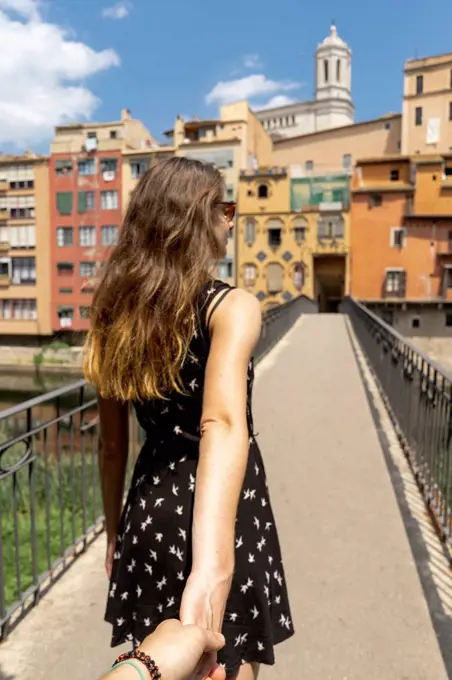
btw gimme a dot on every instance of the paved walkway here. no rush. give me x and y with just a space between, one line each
348 529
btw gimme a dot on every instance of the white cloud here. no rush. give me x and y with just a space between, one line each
278 100
250 87
252 61
42 68
118 11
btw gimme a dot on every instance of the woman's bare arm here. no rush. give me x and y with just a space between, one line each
234 330
113 452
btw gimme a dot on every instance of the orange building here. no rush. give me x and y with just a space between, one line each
401 239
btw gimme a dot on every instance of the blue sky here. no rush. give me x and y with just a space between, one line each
163 57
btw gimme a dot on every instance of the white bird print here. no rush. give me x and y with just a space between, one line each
270 559
172 465
182 534
177 430
253 494
255 612
112 591
264 502
175 490
158 537
278 577
134 540
148 519
147 622
120 621
158 502
233 616
267 576
148 568
161 583
266 590
140 480
134 616
179 510
193 385
172 550
153 554
142 503
124 596
180 576
156 480
181 407
117 555
127 528
143 526
129 637
246 494
284 621
240 639
182 460
268 525
165 410
211 291
250 440
278 599
170 601
256 523
261 544
139 591
180 555
191 486
260 646
131 566
239 542
160 608
250 558
256 468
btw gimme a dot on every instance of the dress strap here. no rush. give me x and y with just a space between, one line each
220 298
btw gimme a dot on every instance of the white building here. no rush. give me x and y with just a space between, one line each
332 106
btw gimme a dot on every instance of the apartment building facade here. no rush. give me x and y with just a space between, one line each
24 248
86 208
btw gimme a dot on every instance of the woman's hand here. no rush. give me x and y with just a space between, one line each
184 652
111 547
204 599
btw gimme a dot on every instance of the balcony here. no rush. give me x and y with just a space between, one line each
3 214
3 185
5 280
330 246
4 246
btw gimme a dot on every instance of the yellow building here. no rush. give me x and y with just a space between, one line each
293 236
427 106
24 246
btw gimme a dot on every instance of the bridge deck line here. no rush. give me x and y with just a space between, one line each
360 608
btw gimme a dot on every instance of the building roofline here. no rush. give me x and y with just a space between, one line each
196 124
310 135
210 142
415 63
149 152
383 159
383 189
21 158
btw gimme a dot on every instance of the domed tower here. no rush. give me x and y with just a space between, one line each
334 76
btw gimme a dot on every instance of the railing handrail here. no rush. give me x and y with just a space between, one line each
42 398
379 321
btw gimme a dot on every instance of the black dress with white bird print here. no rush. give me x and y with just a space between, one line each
153 553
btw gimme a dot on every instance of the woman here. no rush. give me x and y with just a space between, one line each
197 538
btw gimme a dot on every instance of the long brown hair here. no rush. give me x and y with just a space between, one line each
143 313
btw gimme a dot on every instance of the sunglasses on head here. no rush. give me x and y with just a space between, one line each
228 208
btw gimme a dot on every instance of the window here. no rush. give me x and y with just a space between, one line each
298 275
395 282
87 166
225 269
109 200
249 275
65 291
4 268
250 231
419 84
275 277
18 309
22 184
87 236
66 315
448 319
309 166
84 312
450 110
65 236
262 191
347 161
230 191
22 213
275 226
23 237
64 202
109 235
326 70
375 200
418 115
387 126
63 167
23 270
449 241
398 237
109 165
86 201
65 268
448 277
330 227
138 168
300 227
388 316
113 134
87 268
394 176
415 322
338 70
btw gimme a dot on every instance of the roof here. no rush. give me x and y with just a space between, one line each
390 187
21 158
383 159
388 117
333 40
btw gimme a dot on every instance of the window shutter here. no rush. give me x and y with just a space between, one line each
322 228
402 284
339 228
82 201
274 277
64 202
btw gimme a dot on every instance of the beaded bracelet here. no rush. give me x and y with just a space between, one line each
131 662
145 660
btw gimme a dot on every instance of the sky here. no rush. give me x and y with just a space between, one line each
77 60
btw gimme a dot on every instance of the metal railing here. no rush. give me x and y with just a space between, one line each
50 499
418 395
